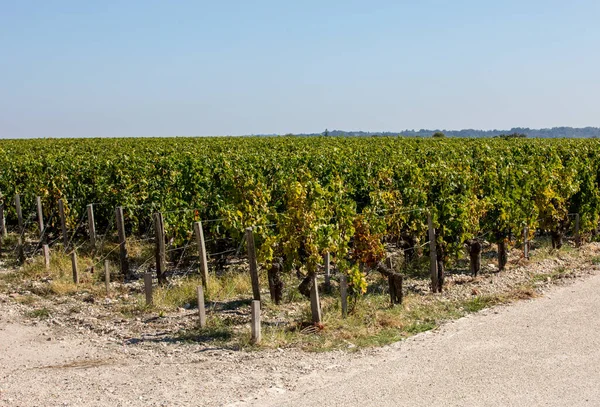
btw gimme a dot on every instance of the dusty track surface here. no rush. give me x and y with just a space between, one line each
540 352
544 352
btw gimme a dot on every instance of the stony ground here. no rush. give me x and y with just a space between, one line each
83 353
44 364
102 318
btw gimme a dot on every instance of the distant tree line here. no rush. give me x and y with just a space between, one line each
555 132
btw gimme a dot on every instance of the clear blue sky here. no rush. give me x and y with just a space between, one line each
176 68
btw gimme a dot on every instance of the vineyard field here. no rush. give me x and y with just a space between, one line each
306 196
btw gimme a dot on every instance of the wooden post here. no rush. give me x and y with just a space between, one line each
107 275
124 262
46 251
327 272
63 223
253 264
315 303
20 250
432 255
2 226
344 294
19 212
161 255
74 265
391 285
91 225
198 230
148 287
40 216
577 235
201 308
3 221
526 243
255 311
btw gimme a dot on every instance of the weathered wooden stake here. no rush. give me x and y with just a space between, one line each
198 230
327 272
3 221
74 265
148 287
253 264
577 235
19 212
344 294
91 225
201 307
63 223
315 303
161 254
46 251
124 261
526 243
40 216
391 285
107 276
256 333
432 255
2 226
20 250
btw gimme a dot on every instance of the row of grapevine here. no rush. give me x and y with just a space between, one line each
316 195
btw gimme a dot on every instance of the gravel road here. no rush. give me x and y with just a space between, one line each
540 352
544 352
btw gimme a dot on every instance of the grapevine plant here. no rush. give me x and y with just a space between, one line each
305 197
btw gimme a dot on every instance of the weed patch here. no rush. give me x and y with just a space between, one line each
41 313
